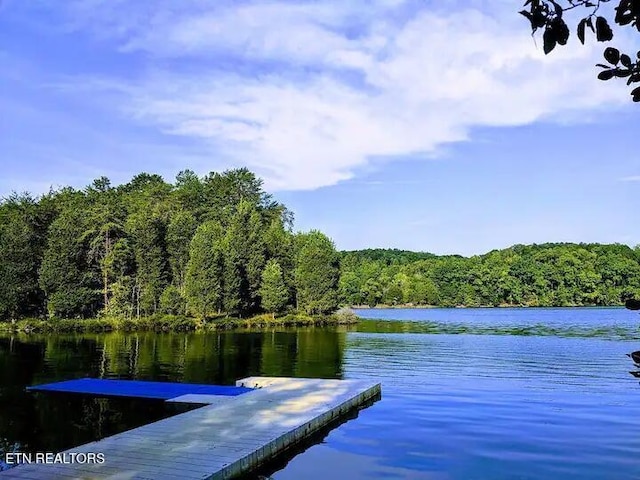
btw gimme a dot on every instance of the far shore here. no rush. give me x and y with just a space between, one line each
426 307
174 323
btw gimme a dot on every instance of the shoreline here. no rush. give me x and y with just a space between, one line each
173 323
432 307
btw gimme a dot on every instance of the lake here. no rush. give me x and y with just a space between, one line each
467 393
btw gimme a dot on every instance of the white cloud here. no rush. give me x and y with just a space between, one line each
309 94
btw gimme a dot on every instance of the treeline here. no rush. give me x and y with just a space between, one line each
554 274
221 245
200 246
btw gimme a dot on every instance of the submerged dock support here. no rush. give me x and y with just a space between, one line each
221 440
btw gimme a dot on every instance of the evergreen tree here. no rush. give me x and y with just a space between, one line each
172 301
244 259
204 282
23 228
147 231
273 291
71 284
104 228
180 231
278 243
316 274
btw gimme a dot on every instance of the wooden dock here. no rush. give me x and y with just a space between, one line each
228 437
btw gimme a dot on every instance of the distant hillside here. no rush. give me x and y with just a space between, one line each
550 274
388 256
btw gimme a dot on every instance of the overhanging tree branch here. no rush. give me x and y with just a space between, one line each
548 15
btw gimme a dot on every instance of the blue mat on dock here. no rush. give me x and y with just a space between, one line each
135 388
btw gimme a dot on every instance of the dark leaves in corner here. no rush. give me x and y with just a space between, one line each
605 75
612 55
550 40
581 29
556 33
548 16
562 31
628 12
603 30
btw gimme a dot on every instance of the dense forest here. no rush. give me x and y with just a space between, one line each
201 246
554 274
221 245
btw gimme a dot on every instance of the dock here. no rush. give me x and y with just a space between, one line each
138 389
230 436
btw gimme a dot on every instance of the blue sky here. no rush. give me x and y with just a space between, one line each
433 126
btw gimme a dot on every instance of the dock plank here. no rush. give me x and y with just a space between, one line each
220 440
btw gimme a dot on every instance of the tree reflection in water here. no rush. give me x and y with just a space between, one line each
54 422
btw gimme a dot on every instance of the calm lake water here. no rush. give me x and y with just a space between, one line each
467 393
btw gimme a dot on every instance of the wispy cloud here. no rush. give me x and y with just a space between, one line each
632 178
310 93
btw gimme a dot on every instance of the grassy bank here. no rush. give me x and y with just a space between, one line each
174 323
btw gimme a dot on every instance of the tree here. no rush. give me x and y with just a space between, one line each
316 273
278 243
204 285
350 288
147 231
273 291
71 284
180 231
234 280
172 302
549 16
121 264
23 225
104 228
148 199
189 193
225 192
245 259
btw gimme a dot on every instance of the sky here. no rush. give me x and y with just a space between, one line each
426 125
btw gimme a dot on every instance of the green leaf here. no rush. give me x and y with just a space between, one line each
612 55
625 60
